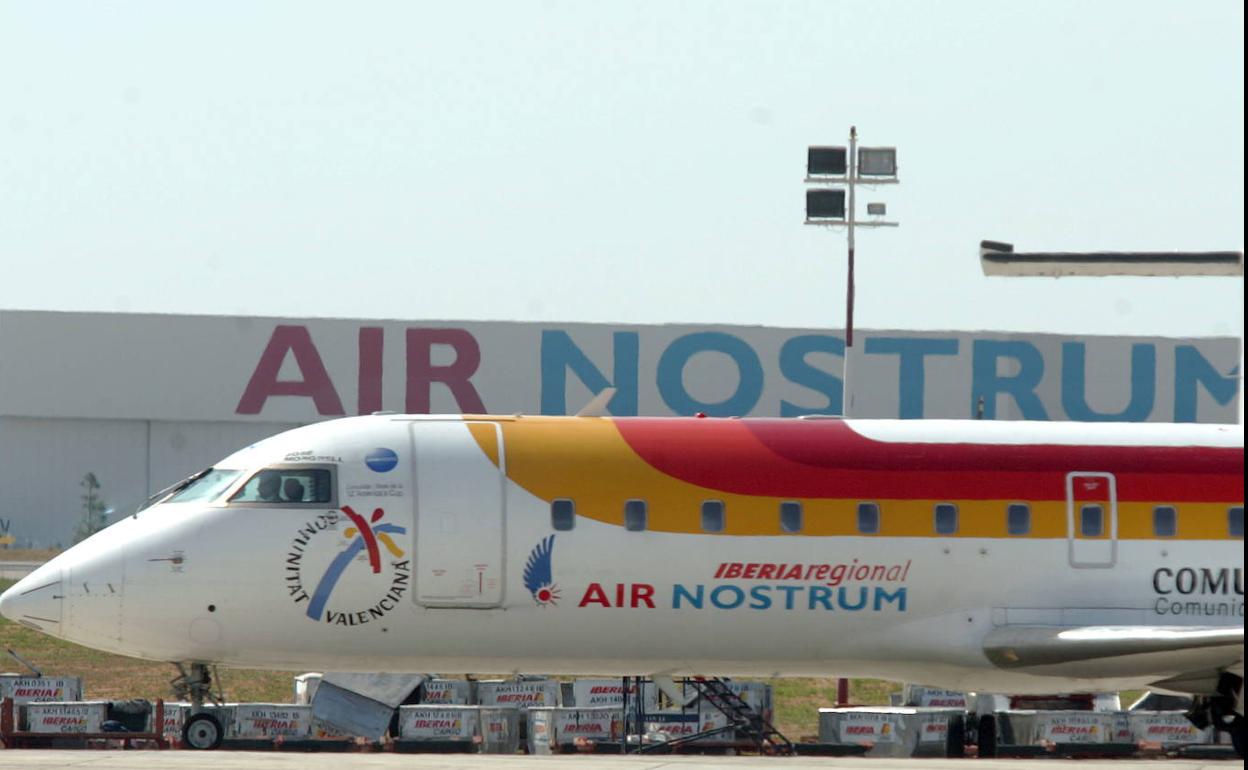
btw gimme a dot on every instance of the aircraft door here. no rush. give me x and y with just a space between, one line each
1092 519
459 513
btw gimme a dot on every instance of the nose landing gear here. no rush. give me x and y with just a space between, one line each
202 730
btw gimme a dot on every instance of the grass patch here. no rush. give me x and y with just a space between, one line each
797 701
27 554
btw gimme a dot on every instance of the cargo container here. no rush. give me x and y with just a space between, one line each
35 689
489 730
551 730
440 723
500 730
888 731
1031 728
270 720
361 705
1169 728
60 718
929 697
595 693
522 693
671 725
450 692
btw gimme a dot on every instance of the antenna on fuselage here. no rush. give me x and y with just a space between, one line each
597 406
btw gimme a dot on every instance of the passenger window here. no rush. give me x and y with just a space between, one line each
1018 519
288 486
712 515
1235 521
1165 521
1091 521
562 514
791 516
635 515
946 518
868 518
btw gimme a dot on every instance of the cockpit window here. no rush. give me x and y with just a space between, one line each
168 492
207 487
282 486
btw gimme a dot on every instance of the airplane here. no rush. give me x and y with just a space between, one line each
1020 557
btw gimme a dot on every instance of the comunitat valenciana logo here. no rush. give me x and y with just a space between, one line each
320 556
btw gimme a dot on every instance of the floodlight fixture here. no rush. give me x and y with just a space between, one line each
827 161
825 204
877 161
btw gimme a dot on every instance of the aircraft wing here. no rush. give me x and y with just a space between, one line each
1169 652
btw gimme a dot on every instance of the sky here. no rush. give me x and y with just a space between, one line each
624 162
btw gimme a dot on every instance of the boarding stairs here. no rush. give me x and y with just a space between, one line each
742 719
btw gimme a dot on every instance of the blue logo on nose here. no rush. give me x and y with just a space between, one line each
381 460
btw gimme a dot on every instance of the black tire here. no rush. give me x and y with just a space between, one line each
955 737
202 732
1237 736
988 735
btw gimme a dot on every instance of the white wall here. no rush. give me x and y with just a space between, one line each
43 461
150 367
178 449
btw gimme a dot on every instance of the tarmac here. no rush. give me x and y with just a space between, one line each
36 759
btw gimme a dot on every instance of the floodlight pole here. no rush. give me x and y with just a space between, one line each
846 399
849 176
849 285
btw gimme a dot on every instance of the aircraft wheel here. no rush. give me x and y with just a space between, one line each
202 732
955 737
988 735
1237 736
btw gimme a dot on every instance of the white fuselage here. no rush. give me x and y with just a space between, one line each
229 584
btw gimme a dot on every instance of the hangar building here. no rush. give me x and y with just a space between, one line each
141 401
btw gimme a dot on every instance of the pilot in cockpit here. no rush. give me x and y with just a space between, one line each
293 491
269 487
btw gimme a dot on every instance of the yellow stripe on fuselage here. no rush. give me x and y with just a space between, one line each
588 461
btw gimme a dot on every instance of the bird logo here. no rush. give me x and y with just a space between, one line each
538 574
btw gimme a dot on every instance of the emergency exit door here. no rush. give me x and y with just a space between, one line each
459 513
1092 519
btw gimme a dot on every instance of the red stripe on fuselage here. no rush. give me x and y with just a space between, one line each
828 459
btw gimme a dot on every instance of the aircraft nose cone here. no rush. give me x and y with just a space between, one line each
35 600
